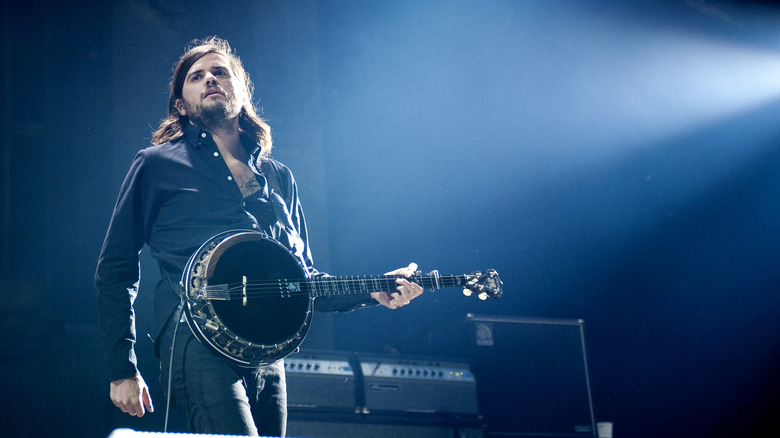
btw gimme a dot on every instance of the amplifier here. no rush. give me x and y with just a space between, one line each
313 424
320 379
418 385
533 376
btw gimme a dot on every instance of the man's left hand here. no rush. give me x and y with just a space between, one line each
406 290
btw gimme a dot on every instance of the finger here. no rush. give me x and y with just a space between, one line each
133 405
125 407
137 409
406 288
396 300
399 271
406 272
417 290
382 298
409 290
401 298
148 400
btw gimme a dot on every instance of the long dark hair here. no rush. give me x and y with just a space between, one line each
249 123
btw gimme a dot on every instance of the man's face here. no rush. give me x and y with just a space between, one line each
211 94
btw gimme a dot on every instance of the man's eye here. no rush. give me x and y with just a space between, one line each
194 78
219 73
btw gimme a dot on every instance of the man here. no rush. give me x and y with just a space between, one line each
206 173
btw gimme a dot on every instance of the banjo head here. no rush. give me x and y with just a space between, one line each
247 298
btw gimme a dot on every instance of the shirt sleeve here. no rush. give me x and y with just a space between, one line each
117 275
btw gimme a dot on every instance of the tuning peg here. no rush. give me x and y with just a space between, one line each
467 292
483 296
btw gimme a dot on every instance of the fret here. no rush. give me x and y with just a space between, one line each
426 282
452 281
343 285
315 287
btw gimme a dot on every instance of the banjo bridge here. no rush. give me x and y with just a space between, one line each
215 292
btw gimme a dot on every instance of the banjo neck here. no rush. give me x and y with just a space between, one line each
485 285
366 284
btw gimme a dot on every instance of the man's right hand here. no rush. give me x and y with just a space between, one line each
131 395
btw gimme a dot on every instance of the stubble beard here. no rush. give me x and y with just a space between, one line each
215 115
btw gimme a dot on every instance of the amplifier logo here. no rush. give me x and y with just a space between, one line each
377 387
483 334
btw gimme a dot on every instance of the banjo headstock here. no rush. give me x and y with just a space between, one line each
485 285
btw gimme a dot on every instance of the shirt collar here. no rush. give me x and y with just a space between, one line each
196 136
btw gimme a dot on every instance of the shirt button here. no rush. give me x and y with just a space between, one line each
203 135
230 178
243 204
216 154
254 225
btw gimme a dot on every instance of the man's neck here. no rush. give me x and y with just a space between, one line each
227 138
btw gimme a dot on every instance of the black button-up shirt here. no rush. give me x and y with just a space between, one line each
175 197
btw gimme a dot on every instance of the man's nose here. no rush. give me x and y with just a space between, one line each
210 79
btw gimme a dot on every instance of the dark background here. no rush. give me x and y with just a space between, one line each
615 161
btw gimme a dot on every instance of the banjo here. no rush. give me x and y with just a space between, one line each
248 298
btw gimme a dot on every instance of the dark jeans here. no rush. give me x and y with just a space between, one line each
218 397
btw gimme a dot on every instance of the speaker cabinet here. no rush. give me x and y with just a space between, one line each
533 376
329 425
422 385
321 380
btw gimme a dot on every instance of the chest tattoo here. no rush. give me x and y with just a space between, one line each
245 179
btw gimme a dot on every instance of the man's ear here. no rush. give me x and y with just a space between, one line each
179 105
